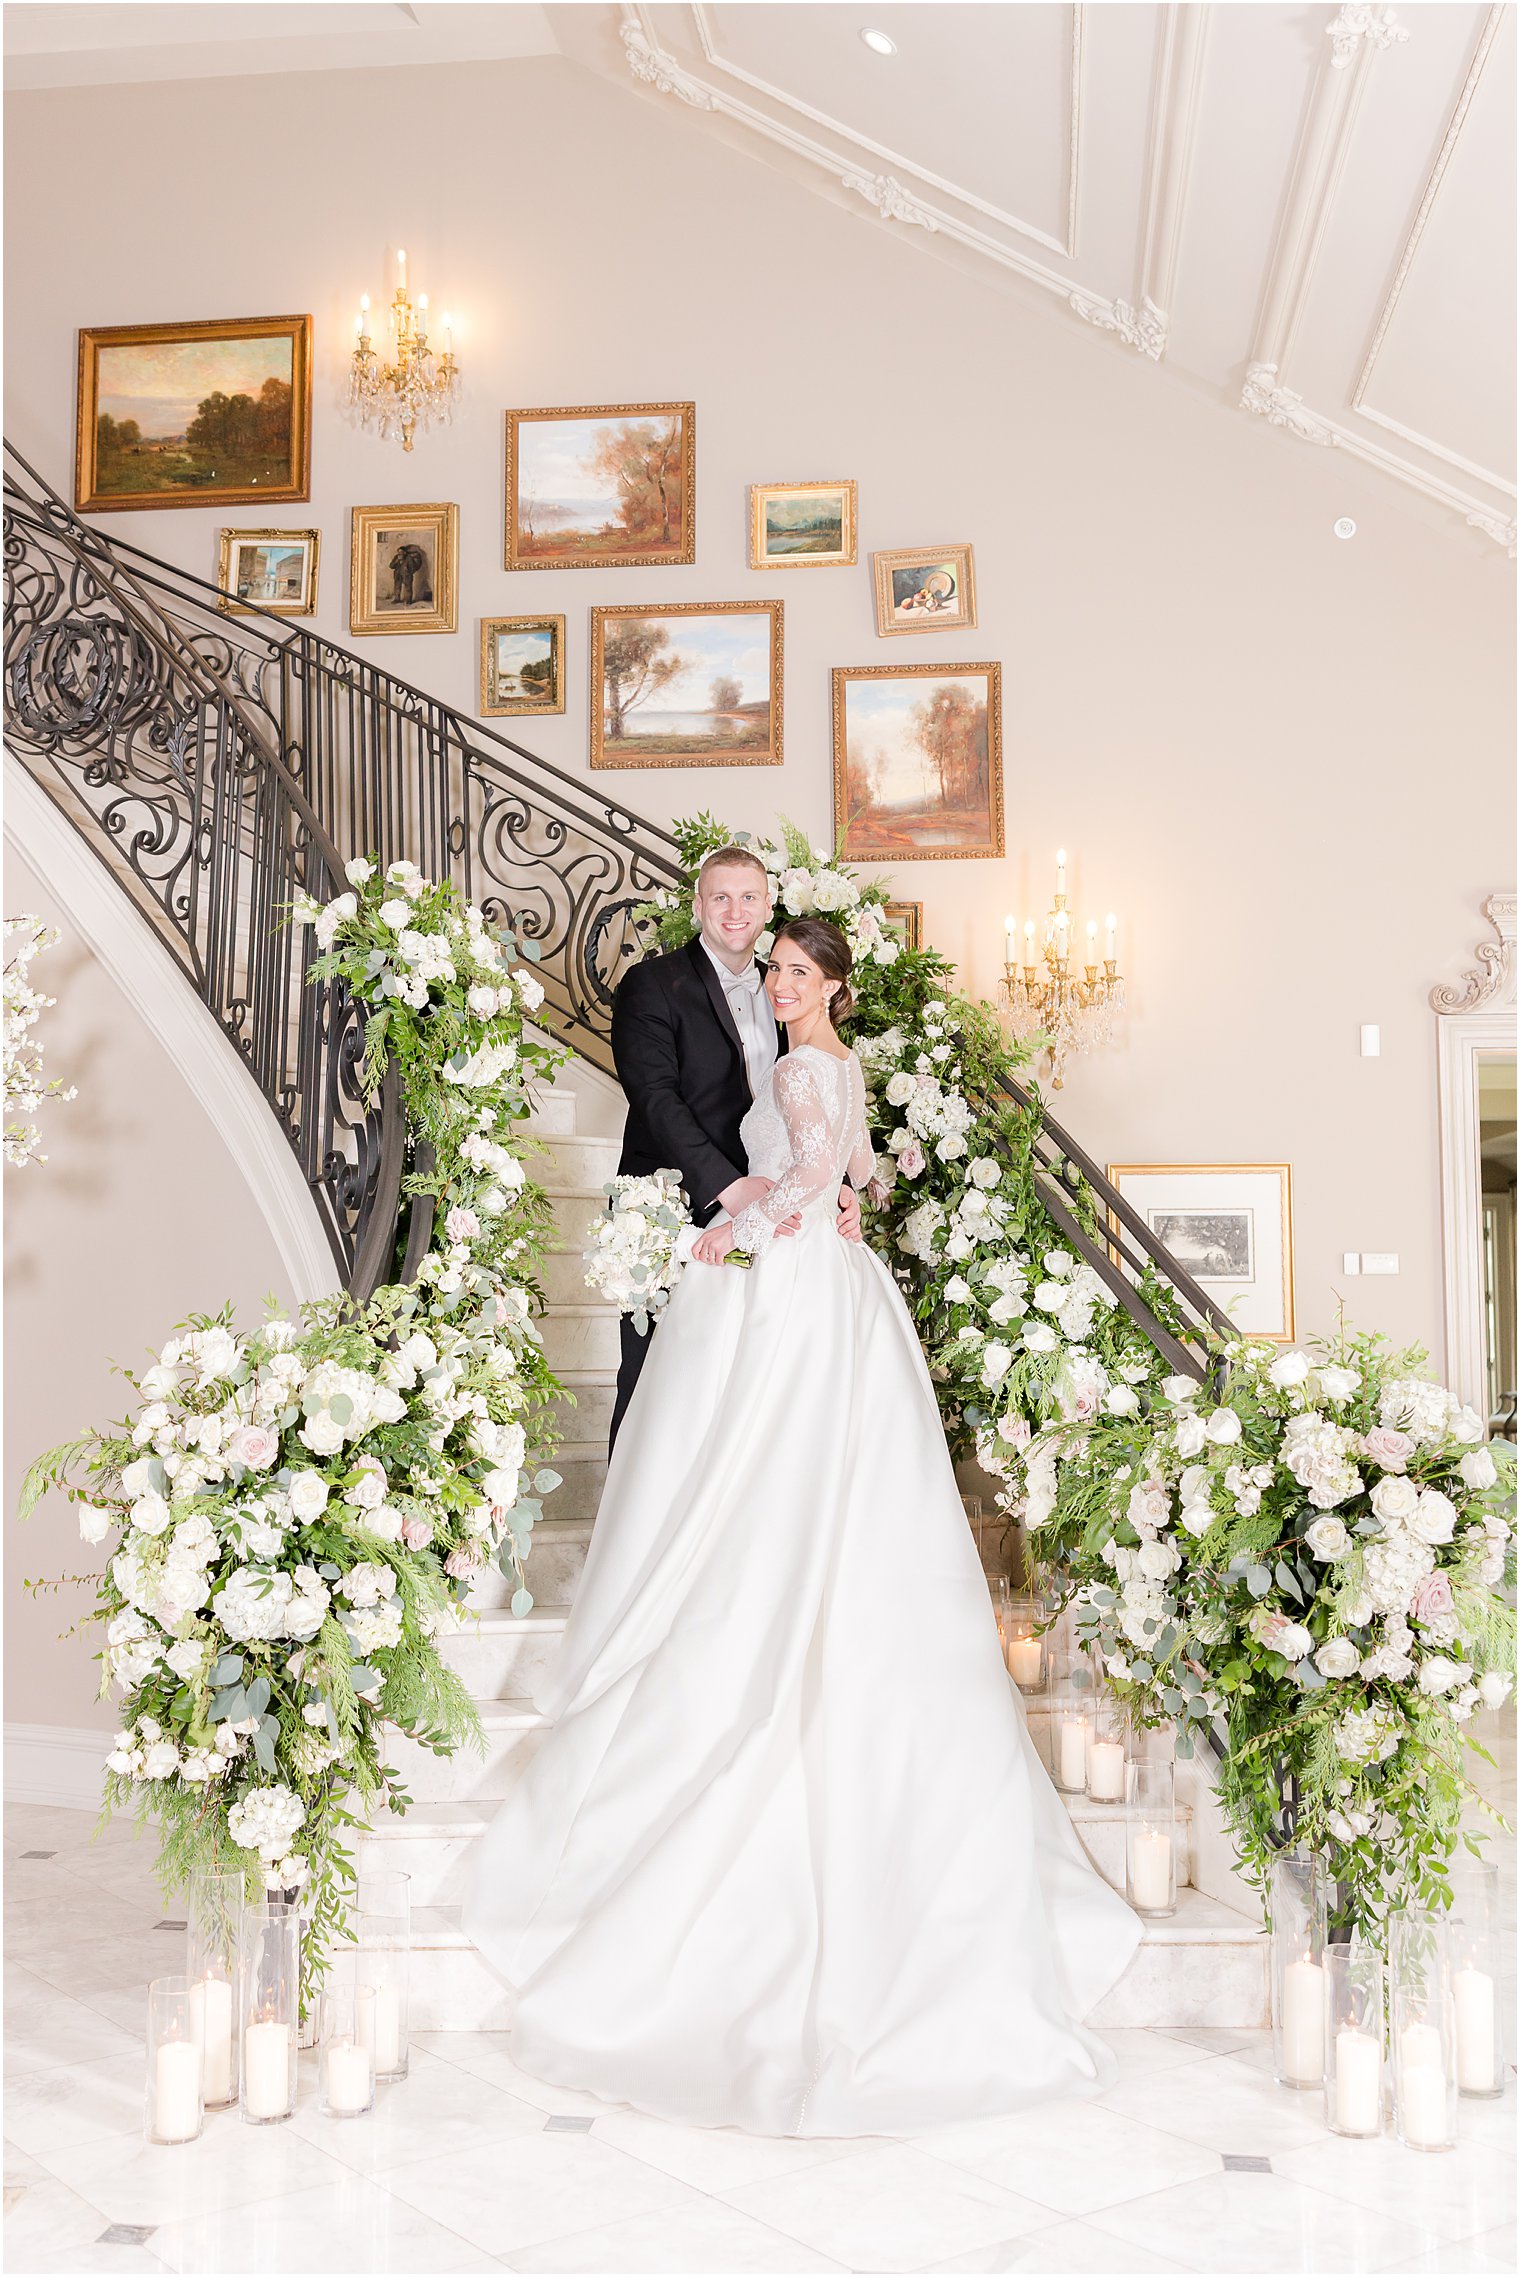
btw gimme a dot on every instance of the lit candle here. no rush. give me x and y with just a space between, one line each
1358 2082
1029 940
377 2017
1151 1868
1010 927
1108 946
1062 923
212 2003
1422 2086
266 2069
359 324
1303 2025
1074 1753
350 2085
401 263
422 310
1060 869
1477 2071
1024 1661
448 332
1105 1770
177 2091
1092 940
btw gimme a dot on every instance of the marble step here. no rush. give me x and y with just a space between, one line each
499 1654
582 1466
554 1112
510 1725
580 1336
555 1559
1204 1966
1100 1830
587 1412
581 1166
562 1276
574 1214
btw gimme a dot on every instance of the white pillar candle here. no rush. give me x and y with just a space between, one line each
1358 2082
1304 2021
1422 2084
1074 1752
266 2069
1105 1770
350 2082
176 2091
211 2001
1476 2067
1151 1867
1024 1660
377 2019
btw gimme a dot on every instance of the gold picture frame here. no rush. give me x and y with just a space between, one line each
885 738
183 414
634 657
509 653
634 460
1228 1224
922 589
906 920
790 524
422 546
251 587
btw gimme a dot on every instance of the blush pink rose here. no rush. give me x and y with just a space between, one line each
462 1563
254 1445
1432 1599
461 1225
913 1160
1390 1449
416 1533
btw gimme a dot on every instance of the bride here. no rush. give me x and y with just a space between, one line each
786 1859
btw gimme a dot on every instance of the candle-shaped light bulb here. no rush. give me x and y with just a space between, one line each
1029 940
422 300
364 302
1060 869
401 257
448 322
1092 940
1108 950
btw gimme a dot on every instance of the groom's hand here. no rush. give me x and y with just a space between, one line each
847 1223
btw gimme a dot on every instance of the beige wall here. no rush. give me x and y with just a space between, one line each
137 1218
1284 759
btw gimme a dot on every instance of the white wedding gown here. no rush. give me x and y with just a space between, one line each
787 1859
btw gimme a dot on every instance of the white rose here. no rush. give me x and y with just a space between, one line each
307 1495
1438 1675
368 1489
396 914
321 1433
1339 1384
984 1172
1478 1469
1337 1656
957 1292
1192 1436
1179 1387
94 1522
1222 1428
1292 1640
1327 1538
1121 1400
1493 1689
1395 1498
1050 1296
1040 1337
358 871
1289 1371
1433 1518
996 1361
161 1760
151 1514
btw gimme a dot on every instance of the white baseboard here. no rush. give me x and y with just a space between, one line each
61 1764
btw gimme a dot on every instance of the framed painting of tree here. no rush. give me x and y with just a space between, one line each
204 414
918 761
694 684
611 486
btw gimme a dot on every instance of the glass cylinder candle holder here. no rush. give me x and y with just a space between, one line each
382 1932
1353 2041
213 1910
346 2065
269 2011
1473 1951
1150 1838
1107 1749
1024 1646
1422 2032
1297 1967
173 2110
1071 1731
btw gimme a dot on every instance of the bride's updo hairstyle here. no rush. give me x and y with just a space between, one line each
830 952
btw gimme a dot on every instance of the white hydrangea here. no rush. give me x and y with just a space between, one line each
1318 1453
1393 1567
265 1820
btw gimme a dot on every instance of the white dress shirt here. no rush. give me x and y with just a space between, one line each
752 1016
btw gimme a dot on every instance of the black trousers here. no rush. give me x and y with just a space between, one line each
635 1350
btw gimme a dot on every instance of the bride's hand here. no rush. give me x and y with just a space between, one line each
713 1245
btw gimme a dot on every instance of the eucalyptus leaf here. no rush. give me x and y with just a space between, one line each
545 1481
522 1601
1258 1580
227 1668
257 1696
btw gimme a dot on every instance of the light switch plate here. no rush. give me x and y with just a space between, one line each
1351 1261
1372 1043
1380 1261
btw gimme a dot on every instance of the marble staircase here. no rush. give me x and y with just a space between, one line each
1206 1965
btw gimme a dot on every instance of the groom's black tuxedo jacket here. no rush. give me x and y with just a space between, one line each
680 1061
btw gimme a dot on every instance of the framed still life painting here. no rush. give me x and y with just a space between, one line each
1230 1225
924 589
918 761
693 684
207 414
522 666
271 570
612 486
404 571
801 525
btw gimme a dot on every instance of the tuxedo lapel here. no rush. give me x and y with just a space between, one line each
707 974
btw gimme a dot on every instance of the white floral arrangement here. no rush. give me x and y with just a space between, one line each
638 1248
25 1086
295 1515
1316 1560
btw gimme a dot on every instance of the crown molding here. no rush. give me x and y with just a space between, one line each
1357 23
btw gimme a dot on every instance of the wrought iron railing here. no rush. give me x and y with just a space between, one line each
219 761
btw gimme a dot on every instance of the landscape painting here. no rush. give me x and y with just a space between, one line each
522 666
690 685
925 589
918 772
609 487
211 414
800 525
271 570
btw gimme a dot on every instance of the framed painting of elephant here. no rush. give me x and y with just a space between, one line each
404 573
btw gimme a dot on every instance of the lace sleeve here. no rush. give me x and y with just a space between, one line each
862 1163
812 1156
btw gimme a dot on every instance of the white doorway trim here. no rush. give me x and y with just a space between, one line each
1474 1021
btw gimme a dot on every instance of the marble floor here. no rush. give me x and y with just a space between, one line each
1194 2161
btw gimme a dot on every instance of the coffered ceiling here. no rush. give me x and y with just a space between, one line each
1307 210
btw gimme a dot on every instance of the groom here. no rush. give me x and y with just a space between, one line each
693 1039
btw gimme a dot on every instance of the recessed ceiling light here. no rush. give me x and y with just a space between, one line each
1345 527
879 44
